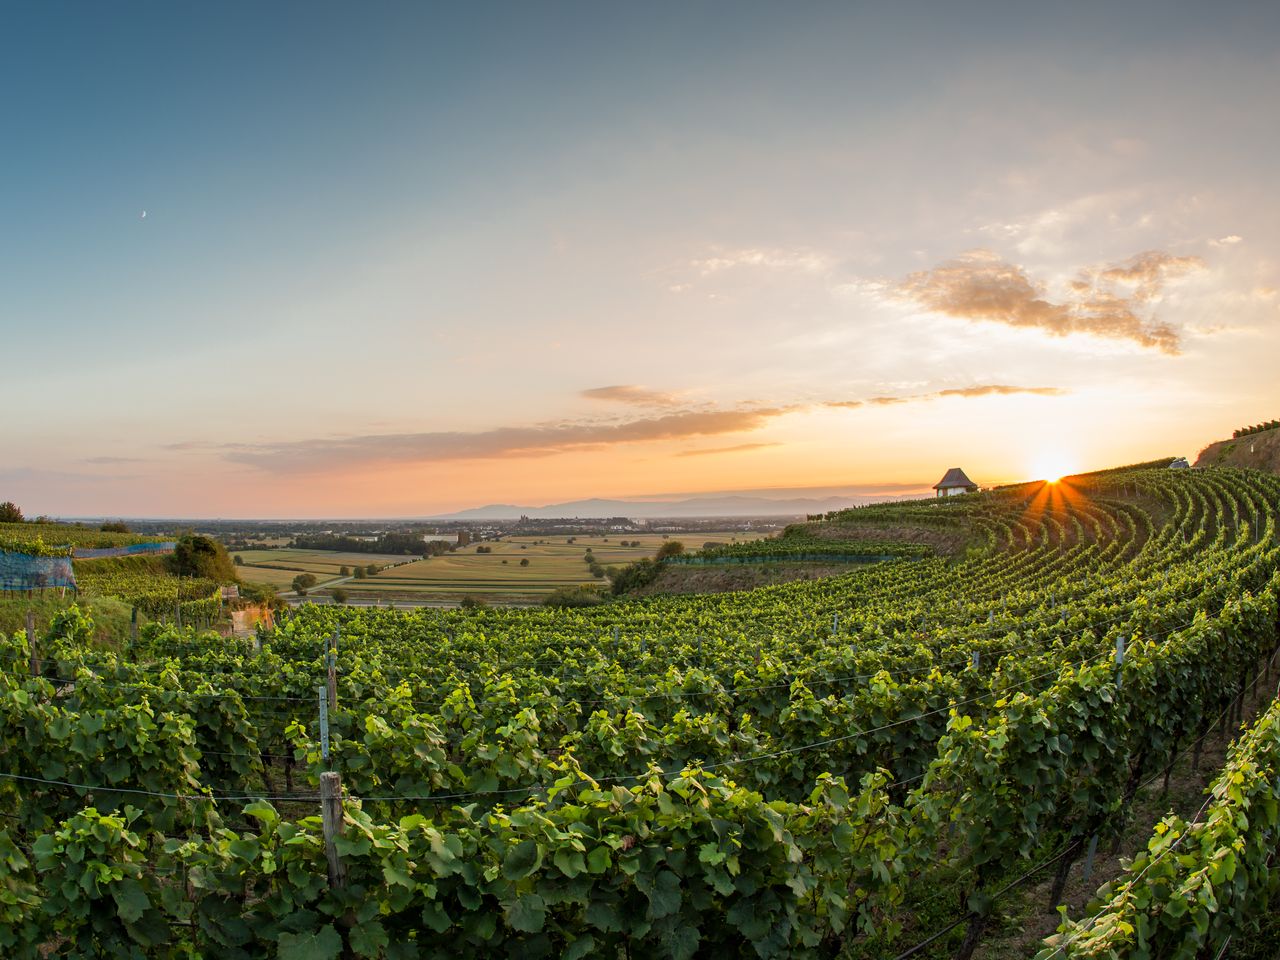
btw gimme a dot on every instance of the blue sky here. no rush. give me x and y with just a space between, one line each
388 247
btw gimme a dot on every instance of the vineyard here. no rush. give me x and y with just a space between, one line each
802 770
797 544
145 584
1256 428
56 539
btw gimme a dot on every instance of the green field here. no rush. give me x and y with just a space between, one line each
277 568
553 562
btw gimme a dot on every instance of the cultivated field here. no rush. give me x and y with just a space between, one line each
553 562
279 567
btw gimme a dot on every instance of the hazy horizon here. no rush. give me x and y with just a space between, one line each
320 260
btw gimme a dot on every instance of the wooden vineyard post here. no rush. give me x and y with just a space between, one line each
31 643
133 630
331 817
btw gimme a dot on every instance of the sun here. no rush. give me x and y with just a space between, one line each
1051 466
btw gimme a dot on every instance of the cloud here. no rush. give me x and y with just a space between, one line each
1226 241
1146 273
549 439
1114 301
738 448
304 456
999 389
107 461
978 390
197 445
807 261
631 394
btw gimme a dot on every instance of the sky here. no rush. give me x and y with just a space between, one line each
328 259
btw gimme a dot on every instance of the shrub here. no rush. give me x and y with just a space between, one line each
196 555
636 575
672 548
564 597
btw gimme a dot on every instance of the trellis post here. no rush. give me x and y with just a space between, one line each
331 818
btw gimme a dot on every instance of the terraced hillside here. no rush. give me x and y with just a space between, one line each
803 770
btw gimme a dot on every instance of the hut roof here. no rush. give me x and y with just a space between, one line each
955 477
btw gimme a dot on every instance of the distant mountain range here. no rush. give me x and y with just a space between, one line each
726 506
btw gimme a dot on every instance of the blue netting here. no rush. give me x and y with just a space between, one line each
21 571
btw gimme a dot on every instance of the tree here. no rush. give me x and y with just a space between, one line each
9 512
196 555
524 562
339 595
344 571
672 548
371 569
471 603
238 560
361 573
114 526
303 582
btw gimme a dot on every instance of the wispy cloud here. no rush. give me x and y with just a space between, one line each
108 461
1114 301
807 261
303 456
631 394
1145 274
326 454
978 390
999 389
737 448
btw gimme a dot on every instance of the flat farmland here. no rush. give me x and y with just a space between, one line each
553 562
279 567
